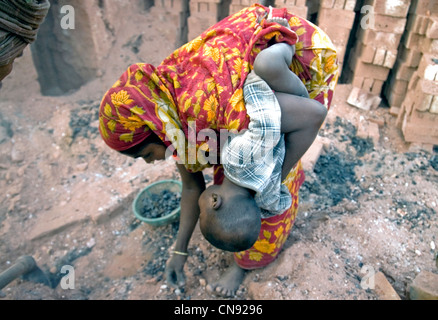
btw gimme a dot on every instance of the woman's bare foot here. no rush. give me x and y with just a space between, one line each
229 282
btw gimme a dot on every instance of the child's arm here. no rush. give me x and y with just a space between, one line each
193 186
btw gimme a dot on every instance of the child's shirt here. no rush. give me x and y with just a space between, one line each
254 159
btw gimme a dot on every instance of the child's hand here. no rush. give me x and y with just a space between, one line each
175 271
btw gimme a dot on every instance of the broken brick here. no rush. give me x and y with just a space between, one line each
424 286
363 99
383 288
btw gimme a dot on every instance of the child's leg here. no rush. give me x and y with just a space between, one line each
301 119
272 65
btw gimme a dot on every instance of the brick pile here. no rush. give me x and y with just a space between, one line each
237 5
412 90
379 32
424 286
297 7
336 18
203 14
178 10
415 42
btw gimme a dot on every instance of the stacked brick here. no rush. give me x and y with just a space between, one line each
414 43
379 33
237 5
178 11
203 14
413 88
336 18
297 7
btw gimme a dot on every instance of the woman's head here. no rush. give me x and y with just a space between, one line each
228 220
150 149
135 108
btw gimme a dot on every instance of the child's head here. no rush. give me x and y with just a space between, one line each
230 221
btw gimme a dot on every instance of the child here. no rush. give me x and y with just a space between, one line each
231 213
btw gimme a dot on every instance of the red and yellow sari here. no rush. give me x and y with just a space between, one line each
200 86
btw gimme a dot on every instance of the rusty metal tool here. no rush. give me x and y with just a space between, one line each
24 266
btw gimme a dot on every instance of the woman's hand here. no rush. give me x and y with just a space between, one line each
193 185
175 275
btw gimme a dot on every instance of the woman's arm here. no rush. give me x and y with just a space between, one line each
193 185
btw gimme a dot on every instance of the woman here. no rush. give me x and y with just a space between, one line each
151 112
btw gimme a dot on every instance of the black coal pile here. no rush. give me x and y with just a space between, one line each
160 204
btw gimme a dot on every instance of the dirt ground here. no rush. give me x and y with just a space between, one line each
66 200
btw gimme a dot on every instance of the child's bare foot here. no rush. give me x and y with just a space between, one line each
281 21
229 282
